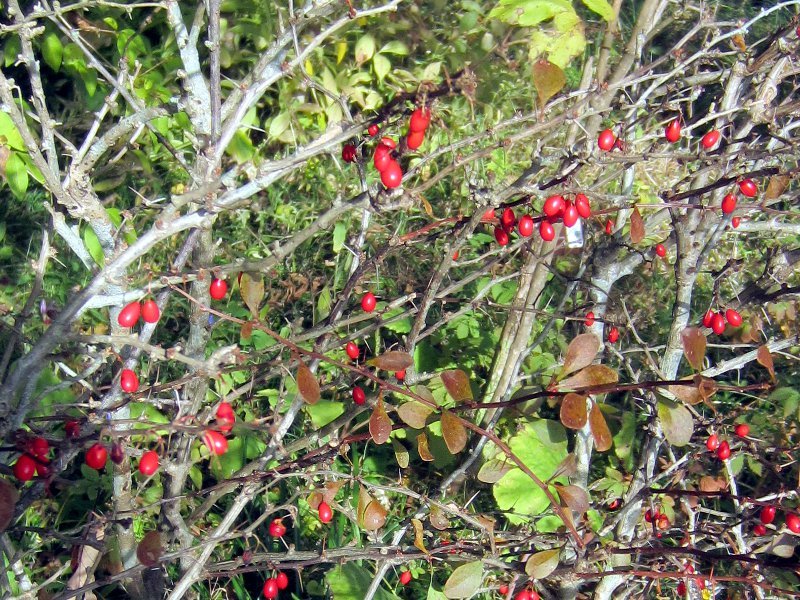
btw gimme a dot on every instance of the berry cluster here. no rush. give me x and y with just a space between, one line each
716 320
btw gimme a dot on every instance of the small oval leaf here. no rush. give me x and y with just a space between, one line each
400 454
464 581
252 290
580 353
380 425
453 432
764 358
457 384
694 347
576 498
414 414
542 564
422 448
419 540
677 423
573 411
600 432
548 79
493 470
374 516
591 376
307 384
438 518
393 360
149 549
637 226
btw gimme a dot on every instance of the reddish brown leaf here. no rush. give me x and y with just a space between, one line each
380 425
712 484
252 290
149 549
574 497
414 414
637 226
764 358
247 330
776 186
392 361
694 347
600 432
580 353
457 384
371 514
8 501
426 394
702 390
307 384
438 518
566 468
419 540
493 470
573 411
453 432
542 564
548 79
591 376
422 448
706 386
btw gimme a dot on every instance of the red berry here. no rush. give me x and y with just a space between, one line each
661 250
455 255
673 131
271 588
767 515
681 588
759 529
718 323
609 227
420 119
570 214
42 470
728 204
359 397
382 157
225 417
508 219
96 457
148 464
349 153
368 302
503 590
613 335
72 429
218 288
733 317
277 528
712 443
129 315
488 215
283 580
400 375
39 447
606 140
648 516
373 130
405 577
500 235
392 175
525 225
352 350
724 450
546 231
150 311
735 222
25 468
583 206
589 319
708 318
793 522
662 522
389 142
215 442
614 504
742 430
523 595
415 139
325 513
710 139
554 206
748 188
128 381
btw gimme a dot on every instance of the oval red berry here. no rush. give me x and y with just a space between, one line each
129 314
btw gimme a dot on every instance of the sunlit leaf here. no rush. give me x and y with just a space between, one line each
419 540
307 384
712 484
694 346
580 353
573 411
422 448
414 414
591 376
601 7
493 470
764 358
676 421
393 360
380 425
776 186
548 79
453 432
371 514
576 498
566 468
438 518
637 226
600 432
252 290
464 580
365 48
456 382
400 454
542 564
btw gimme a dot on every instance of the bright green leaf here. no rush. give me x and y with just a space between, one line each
464 581
365 48
601 7
52 51
676 421
527 13
382 66
339 234
16 175
9 134
279 124
351 581
395 47
324 412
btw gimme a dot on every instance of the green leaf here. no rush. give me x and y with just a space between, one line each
676 421
789 398
601 7
351 581
225 465
324 412
395 47
52 51
89 78
324 303
365 49
464 581
382 66
240 148
339 235
16 175
196 475
541 446
9 134
541 564
11 50
548 79
527 13
279 124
